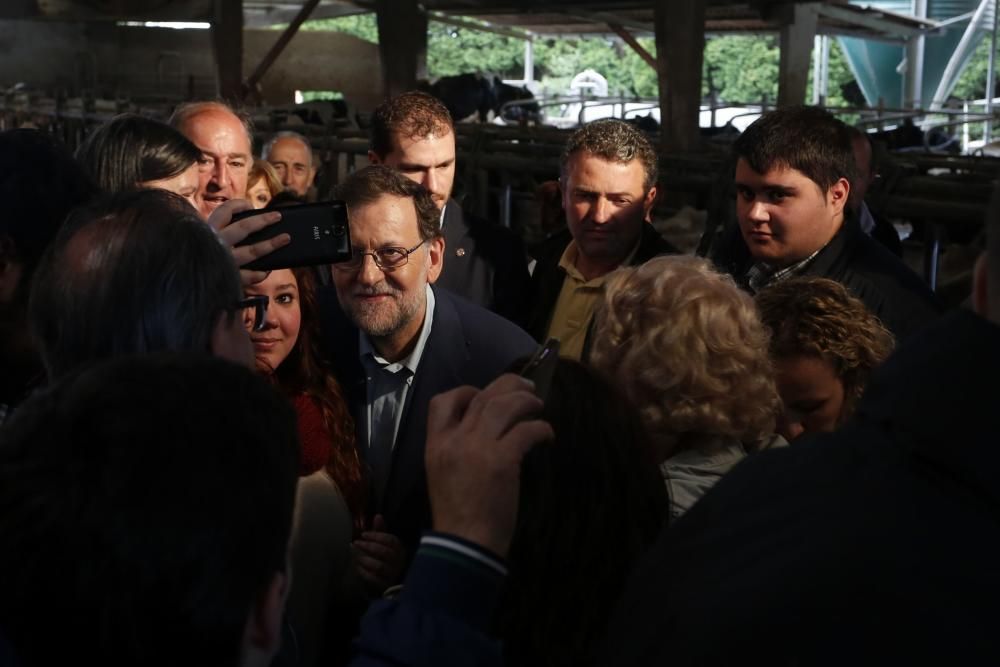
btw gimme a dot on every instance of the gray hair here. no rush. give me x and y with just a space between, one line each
286 134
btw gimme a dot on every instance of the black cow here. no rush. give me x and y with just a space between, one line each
468 94
463 95
503 93
907 137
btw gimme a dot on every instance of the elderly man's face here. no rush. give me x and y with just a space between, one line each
293 161
226 151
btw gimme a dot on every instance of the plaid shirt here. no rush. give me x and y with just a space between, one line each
761 275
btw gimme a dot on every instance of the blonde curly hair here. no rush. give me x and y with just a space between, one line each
686 346
811 316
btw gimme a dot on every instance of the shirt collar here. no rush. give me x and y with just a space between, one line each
572 252
761 275
368 353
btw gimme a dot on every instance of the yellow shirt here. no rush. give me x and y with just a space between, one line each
575 306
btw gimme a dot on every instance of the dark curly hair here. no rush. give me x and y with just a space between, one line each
819 317
411 115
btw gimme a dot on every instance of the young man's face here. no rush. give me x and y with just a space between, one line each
429 161
784 215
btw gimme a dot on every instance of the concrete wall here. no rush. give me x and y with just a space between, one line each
171 65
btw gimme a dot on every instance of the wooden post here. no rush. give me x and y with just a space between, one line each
797 37
279 46
630 39
402 38
227 45
680 50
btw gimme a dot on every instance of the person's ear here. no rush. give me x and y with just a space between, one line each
435 258
980 287
647 204
838 193
262 635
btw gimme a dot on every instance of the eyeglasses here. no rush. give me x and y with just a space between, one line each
387 258
254 310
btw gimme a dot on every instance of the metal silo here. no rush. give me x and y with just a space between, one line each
880 67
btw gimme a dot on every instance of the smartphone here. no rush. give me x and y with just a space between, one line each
542 367
320 235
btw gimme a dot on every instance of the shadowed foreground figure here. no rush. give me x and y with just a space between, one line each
146 506
877 544
592 501
40 184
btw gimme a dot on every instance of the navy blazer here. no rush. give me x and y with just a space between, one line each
484 263
468 345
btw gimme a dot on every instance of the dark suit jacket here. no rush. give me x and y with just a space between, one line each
890 290
468 345
548 277
483 262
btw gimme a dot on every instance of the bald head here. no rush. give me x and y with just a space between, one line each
224 138
291 156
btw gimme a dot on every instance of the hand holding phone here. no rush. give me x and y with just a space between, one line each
319 235
542 367
234 221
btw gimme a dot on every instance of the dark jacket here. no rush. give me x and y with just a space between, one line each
889 288
442 617
548 277
877 544
483 262
468 345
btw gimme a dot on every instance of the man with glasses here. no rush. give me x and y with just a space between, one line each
403 342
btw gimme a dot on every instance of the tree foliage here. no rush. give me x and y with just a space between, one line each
740 68
972 84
